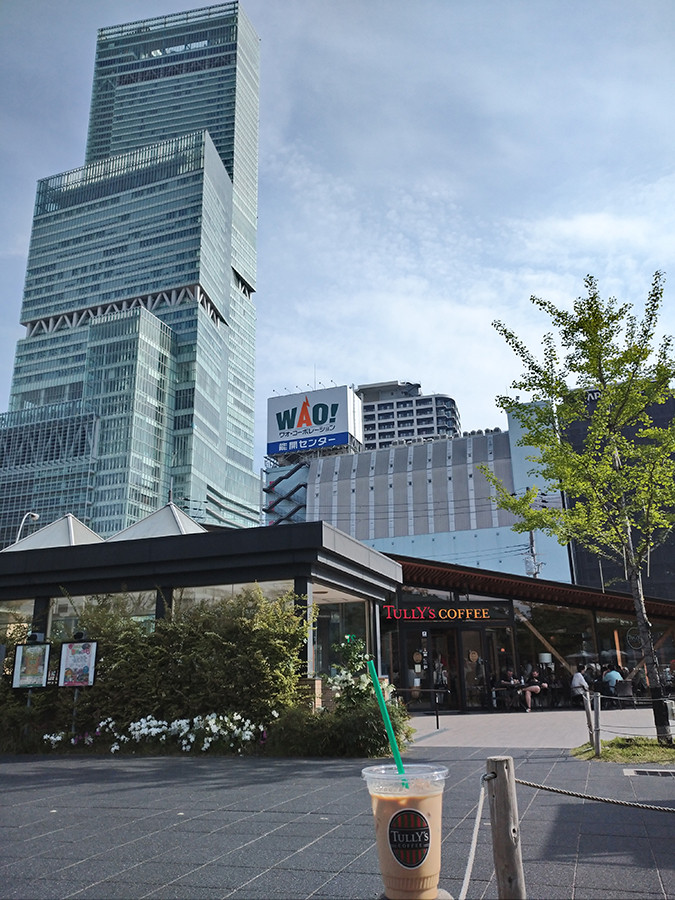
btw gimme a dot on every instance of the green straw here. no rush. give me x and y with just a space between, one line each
387 720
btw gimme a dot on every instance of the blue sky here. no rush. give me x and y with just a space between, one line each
424 168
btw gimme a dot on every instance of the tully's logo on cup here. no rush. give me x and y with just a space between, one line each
409 838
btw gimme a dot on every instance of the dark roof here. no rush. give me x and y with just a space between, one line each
314 550
451 577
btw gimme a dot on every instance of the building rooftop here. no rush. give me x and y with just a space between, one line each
67 531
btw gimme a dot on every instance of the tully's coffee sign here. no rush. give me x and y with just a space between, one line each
430 613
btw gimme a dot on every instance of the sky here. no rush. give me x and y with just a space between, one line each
425 167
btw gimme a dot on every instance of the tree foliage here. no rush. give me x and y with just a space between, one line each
588 414
603 377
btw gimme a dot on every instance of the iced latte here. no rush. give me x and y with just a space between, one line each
407 810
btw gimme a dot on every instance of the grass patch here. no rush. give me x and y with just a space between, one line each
629 750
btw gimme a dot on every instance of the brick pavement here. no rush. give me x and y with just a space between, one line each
286 829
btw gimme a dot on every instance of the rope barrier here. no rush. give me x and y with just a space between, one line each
474 838
540 787
554 790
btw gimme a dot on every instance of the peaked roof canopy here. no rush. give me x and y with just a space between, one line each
64 532
68 531
167 520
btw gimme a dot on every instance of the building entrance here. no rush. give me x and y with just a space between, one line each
454 668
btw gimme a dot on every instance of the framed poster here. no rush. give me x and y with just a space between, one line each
31 665
78 663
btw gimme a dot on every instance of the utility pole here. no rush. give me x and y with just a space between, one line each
532 567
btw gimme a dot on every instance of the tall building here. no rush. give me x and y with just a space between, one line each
134 382
396 413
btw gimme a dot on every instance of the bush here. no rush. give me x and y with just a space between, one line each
357 731
22 725
354 727
237 656
299 732
240 654
220 677
360 731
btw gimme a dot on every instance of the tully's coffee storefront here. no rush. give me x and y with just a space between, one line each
454 631
442 634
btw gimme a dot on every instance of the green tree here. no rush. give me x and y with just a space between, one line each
603 373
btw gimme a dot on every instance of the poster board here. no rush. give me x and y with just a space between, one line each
31 665
78 664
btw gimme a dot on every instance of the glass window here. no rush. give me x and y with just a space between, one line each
567 634
15 619
619 643
214 593
334 622
67 610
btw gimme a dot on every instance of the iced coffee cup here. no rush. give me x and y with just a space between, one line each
407 809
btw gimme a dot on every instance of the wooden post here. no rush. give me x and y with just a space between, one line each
596 721
505 828
589 716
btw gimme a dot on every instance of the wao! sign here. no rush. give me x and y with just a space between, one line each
312 421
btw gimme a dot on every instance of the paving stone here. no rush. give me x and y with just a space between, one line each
289 829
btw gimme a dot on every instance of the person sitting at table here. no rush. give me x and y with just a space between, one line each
510 687
579 686
533 685
611 677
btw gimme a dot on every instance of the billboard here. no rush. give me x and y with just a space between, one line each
315 420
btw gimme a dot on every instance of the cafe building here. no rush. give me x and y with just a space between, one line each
455 630
167 560
441 633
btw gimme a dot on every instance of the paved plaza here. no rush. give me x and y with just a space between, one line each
285 829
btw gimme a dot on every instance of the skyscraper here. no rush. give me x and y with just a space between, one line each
135 379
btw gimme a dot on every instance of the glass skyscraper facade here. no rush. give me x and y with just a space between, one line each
135 379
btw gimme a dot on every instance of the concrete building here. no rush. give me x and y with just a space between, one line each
421 496
135 379
431 500
396 413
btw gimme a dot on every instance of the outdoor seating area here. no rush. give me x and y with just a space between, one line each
508 698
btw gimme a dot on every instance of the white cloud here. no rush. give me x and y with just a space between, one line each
424 169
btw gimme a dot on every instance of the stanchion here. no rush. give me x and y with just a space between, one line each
589 715
597 702
506 851
435 702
